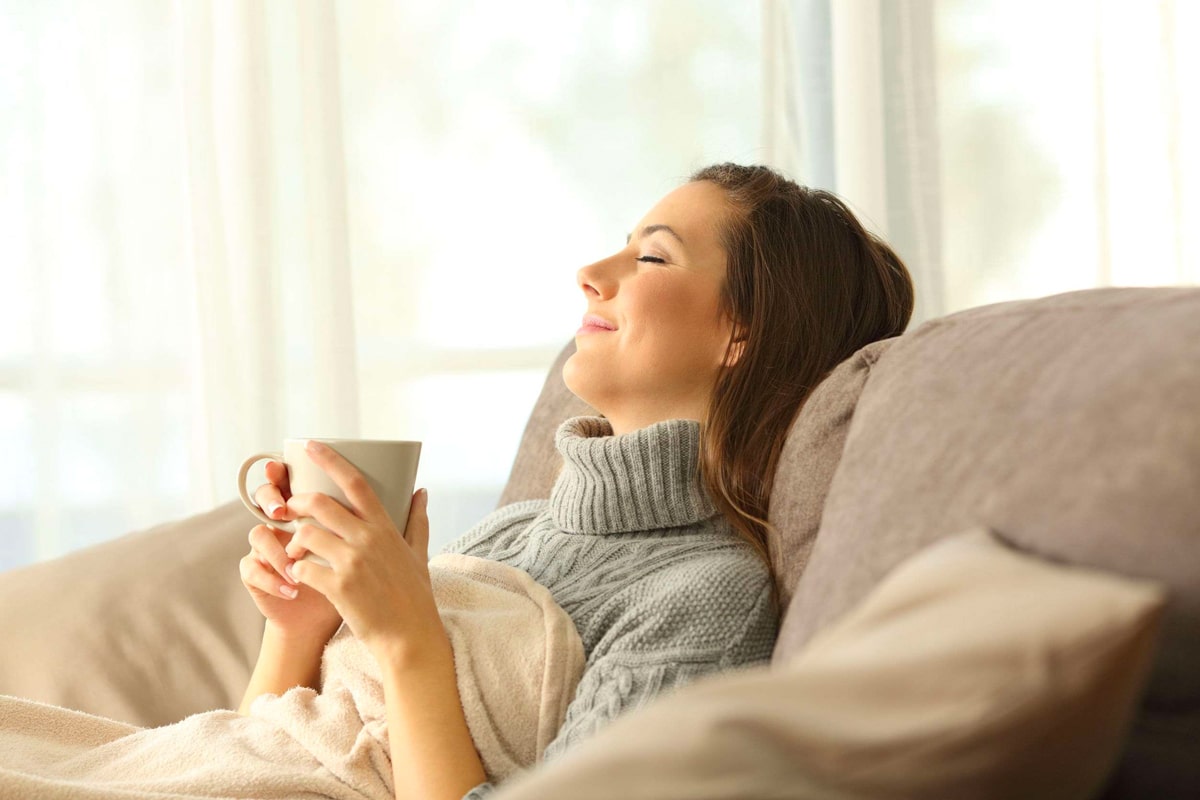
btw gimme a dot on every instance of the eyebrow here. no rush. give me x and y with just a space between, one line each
649 229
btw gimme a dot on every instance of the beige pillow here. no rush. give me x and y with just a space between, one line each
147 628
970 671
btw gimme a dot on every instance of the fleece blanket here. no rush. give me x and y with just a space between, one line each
518 659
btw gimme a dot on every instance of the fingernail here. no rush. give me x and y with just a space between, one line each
273 508
291 575
288 591
314 447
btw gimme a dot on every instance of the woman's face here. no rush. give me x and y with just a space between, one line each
660 296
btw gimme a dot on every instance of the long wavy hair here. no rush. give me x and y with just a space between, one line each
806 286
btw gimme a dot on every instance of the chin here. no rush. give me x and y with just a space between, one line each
576 383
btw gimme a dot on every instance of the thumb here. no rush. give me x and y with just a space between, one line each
416 530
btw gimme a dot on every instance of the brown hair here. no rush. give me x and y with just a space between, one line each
806 286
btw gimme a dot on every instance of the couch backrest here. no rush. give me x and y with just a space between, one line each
1070 425
810 457
538 462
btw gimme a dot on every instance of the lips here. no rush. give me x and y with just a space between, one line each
594 322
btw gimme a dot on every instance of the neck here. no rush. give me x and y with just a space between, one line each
625 421
647 479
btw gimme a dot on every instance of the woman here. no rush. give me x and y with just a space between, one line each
731 300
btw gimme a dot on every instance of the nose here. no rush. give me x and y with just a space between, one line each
598 279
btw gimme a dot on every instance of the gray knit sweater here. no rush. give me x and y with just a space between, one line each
660 588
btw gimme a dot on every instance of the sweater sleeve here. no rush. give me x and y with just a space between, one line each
490 533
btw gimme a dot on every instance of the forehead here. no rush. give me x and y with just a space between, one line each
695 211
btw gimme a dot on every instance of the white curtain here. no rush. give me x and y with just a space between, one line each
274 331
1007 149
228 222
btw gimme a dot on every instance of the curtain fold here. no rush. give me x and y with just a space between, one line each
852 108
274 339
798 130
912 143
1004 149
860 128
334 377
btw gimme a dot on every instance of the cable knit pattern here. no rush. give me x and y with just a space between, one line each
659 586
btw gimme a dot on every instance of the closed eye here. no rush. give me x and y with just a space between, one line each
652 259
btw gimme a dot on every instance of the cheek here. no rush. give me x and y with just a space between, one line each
672 310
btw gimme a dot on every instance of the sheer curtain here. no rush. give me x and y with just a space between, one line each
267 252
228 222
1007 149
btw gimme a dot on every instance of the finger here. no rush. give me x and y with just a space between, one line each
318 576
271 501
315 539
263 578
328 511
265 544
416 529
353 484
277 474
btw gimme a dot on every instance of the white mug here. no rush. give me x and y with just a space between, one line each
389 466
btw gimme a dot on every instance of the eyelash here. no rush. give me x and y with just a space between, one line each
652 259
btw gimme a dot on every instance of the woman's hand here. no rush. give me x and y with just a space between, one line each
296 611
377 579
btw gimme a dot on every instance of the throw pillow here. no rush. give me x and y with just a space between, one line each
972 670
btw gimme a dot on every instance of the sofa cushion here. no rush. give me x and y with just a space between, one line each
807 462
971 671
146 629
538 461
1069 423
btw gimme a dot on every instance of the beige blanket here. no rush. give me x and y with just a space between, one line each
518 659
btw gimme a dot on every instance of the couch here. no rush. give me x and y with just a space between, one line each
1063 430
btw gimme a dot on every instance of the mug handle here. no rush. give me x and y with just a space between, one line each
255 509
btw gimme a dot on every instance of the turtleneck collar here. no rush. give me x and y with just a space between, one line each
645 479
